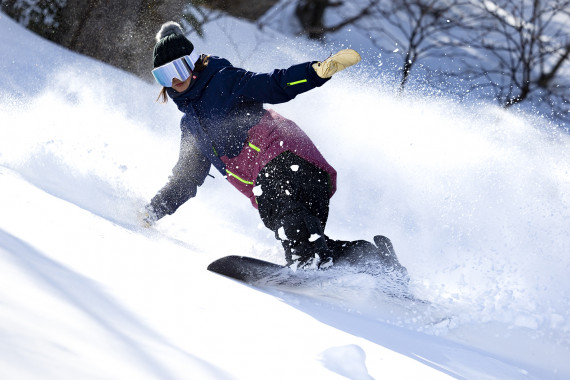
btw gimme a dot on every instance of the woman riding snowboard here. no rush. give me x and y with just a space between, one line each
264 155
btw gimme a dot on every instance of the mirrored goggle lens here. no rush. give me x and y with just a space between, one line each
180 68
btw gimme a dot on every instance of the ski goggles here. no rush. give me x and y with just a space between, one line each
180 68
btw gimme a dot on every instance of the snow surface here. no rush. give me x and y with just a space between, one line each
475 200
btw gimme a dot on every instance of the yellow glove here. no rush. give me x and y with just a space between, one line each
336 63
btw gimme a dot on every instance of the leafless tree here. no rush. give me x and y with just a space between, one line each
196 15
413 29
521 51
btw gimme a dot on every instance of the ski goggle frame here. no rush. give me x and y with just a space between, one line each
180 68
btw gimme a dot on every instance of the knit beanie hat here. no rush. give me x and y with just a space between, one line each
171 44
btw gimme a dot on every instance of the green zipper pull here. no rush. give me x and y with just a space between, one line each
297 82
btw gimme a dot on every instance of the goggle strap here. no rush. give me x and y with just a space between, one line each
194 57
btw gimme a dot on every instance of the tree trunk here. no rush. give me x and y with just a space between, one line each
310 13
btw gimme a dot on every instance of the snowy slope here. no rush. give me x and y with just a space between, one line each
476 202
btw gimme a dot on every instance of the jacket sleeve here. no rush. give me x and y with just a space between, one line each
278 86
189 173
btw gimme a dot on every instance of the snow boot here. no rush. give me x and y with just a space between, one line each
312 251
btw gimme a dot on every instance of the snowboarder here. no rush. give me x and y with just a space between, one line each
264 155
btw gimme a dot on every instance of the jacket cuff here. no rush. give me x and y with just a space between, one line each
316 80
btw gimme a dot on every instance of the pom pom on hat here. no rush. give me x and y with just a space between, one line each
171 44
167 29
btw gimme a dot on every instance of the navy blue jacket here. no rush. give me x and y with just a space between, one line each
220 107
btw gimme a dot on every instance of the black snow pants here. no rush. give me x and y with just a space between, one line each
294 204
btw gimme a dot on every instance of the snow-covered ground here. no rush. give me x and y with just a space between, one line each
475 200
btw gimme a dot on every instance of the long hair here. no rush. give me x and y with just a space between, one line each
200 65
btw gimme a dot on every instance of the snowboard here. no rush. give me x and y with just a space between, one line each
342 285
266 274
